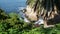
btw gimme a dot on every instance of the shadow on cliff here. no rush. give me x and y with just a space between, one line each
56 19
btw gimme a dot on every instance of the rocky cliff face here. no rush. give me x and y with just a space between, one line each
47 11
30 14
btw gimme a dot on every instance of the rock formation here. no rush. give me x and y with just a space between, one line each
31 15
47 9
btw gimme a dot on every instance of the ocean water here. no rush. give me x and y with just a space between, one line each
12 5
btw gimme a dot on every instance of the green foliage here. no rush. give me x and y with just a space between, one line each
11 24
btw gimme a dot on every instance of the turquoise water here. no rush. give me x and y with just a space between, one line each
12 5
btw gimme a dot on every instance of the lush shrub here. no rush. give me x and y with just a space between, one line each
11 24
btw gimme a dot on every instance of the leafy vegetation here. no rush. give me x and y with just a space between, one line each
11 24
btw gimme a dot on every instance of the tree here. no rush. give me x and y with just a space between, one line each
12 24
3 15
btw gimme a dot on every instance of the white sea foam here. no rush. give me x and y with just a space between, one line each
22 15
21 8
